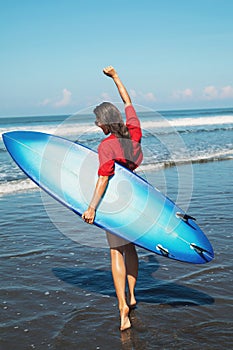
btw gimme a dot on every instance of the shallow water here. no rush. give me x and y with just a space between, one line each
58 294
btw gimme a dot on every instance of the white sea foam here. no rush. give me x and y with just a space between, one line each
62 130
199 158
16 186
185 122
73 128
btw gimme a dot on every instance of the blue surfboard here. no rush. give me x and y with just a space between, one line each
131 208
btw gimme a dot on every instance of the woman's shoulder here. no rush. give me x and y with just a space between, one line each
107 142
108 138
132 120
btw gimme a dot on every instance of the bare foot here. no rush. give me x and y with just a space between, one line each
125 321
132 302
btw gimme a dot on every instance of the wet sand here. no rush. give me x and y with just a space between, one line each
58 294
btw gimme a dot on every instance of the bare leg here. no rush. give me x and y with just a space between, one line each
119 278
131 262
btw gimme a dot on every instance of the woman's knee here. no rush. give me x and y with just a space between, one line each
116 251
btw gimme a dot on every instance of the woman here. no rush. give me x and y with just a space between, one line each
122 146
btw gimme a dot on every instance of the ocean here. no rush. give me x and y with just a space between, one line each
56 287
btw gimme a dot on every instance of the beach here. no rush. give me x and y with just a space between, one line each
56 285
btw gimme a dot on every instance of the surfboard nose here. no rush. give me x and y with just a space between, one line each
12 140
22 136
8 136
18 143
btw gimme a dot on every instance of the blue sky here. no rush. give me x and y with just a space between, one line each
170 54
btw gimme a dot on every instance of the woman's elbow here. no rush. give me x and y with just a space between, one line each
104 179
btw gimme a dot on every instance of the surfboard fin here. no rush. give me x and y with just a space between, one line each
162 250
185 217
206 256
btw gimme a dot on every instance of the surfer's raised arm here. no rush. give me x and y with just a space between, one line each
110 72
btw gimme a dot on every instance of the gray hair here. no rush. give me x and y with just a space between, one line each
109 115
